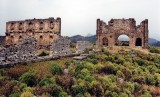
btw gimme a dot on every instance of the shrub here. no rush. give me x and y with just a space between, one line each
120 74
56 69
154 50
109 93
120 60
141 62
26 94
63 94
129 86
123 95
15 95
65 81
2 72
96 88
56 90
85 72
67 64
127 72
108 68
30 78
89 78
150 80
45 81
16 72
22 86
78 89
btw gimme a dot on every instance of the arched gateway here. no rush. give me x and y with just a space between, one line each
108 34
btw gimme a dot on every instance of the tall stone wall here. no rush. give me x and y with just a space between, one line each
44 30
107 34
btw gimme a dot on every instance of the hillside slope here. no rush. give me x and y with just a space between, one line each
114 72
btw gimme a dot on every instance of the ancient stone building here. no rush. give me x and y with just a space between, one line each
82 45
60 47
107 34
44 30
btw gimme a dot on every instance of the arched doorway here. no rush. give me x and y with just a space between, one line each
138 42
105 41
122 40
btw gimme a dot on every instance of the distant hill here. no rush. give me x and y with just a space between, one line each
80 38
152 41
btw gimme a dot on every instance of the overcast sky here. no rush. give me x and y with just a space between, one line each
79 16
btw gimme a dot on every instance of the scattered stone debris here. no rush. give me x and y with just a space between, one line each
60 47
81 46
81 57
22 52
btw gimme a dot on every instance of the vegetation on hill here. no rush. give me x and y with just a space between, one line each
111 73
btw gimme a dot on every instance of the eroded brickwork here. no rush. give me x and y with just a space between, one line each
107 34
44 30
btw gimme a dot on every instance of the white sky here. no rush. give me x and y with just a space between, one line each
79 16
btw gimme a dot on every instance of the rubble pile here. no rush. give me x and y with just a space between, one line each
22 52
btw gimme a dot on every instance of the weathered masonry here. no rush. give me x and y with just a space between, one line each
60 47
107 34
43 30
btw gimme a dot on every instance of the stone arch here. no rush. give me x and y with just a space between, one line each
116 27
138 42
122 40
105 41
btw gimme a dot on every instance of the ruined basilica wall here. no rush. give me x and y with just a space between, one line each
117 27
44 30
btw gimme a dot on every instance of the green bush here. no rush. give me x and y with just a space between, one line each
45 81
94 61
30 78
56 69
15 95
78 89
63 94
141 62
150 80
109 68
154 50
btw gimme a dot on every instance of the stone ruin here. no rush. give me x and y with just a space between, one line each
43 30
107 34
81 46
24 51
60 47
